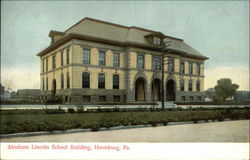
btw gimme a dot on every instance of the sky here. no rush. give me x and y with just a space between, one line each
217 29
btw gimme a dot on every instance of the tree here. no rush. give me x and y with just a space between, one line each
225 89
210 93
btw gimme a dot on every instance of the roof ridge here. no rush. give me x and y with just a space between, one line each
97 20
118 25
105 22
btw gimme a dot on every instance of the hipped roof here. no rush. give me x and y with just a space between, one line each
106 32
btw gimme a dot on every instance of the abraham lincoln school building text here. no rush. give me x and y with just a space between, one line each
100 62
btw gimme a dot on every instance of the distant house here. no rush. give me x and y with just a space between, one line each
242 96
2 89
28 94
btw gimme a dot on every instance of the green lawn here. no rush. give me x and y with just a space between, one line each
40 120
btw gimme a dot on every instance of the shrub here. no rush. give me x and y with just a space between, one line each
153 123
95 127
105 123
71 110
54 111
220 118
80 109
165 122
194 120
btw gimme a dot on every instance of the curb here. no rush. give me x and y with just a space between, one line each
100 129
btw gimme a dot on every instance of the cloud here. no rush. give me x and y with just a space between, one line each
20 78
238 75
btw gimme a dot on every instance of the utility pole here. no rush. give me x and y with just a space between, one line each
164 47
162 76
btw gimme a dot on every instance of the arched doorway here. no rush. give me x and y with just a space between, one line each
170 93
53 88
156 90
140 89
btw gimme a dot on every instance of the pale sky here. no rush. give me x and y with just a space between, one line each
217 29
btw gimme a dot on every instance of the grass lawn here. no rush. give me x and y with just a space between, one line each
16 121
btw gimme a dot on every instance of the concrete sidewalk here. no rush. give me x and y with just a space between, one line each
228 131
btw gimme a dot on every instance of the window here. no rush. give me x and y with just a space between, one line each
157 63
182 84
86 56
170 65
117 98
116 60
47 84
67 56
61 58
198 69
199 98
85 80
53 62
157 41
43 65
101 58
43 84
101 80
183 98
198 85
86 98
115 81
190 68
102 98
62 81
190 85
191 98
140 61
182 69
47 63
68 81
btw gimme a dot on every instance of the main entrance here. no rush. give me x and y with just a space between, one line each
170 93
140 89
156 90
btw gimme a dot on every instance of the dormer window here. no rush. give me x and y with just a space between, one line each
55 36
157 41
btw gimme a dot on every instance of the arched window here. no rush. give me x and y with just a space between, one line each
190 85
85 80
68 81
101 80
182 84
115 81
198 85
